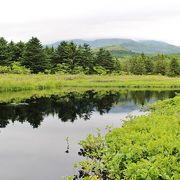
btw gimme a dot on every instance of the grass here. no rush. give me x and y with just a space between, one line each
12 82
147 147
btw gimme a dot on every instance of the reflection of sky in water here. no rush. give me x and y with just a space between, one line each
39 154
128 106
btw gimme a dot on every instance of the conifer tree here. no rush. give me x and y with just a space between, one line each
34 57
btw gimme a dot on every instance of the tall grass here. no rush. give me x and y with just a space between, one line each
12 82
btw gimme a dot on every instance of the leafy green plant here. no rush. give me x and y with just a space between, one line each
4 69
146 147
17 68
100 70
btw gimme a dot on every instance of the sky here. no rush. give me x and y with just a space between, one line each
53 20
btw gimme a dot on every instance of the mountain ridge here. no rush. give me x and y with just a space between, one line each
145 46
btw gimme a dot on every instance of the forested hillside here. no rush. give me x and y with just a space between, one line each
70 58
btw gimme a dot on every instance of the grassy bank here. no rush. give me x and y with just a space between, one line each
12 82
146 147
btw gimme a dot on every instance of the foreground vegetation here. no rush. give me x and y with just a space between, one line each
146 147
15 82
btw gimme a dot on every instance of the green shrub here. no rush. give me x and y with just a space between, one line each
146 147
4 69
100 70
62 68
17 68
78 70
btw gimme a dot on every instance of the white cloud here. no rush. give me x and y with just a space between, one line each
52 20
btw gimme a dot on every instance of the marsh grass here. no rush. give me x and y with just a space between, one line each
15 82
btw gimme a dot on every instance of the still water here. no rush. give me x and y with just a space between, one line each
33 131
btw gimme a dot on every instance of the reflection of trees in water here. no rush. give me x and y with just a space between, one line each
73 105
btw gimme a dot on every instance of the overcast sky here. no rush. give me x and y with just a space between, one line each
53 20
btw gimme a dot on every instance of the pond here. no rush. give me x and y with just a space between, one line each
33 131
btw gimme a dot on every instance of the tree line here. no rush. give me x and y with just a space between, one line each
33 57
66 58
156 64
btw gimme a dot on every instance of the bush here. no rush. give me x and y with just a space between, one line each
4 69
17 68
62 69
78 70
99 70
146 147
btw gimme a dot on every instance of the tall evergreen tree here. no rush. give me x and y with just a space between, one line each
160 65
15 52
20 48
50 55
34 57
104 59
174 68
67 53
149 65
138 65
147 62
4 58
86 58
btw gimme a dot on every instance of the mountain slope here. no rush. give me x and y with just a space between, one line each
117 50
146 46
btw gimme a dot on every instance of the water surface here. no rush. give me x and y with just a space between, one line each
33 131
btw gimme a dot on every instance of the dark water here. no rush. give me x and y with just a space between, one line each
33 132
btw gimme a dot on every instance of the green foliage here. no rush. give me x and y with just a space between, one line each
3 52
143 64
17 68
34 57
4 69
86 58
160 65
149 66
70 58
62 68
104 59
146 147
67 53
174 68
99 70
138 65
79 70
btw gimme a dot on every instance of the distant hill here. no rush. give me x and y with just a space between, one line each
117 50
146 46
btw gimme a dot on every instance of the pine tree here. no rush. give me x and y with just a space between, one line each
4 60
138 65
86 58
174 68
15 52
104 59
34 57
160 65
67 53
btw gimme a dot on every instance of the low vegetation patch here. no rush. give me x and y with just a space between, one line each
19 82
147 147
